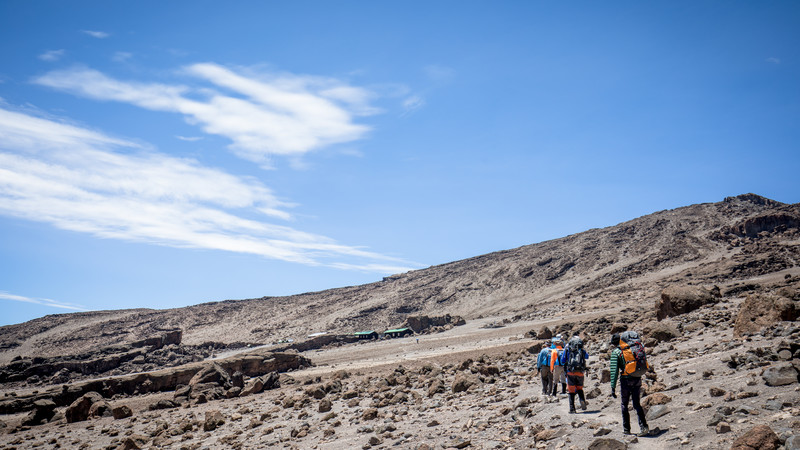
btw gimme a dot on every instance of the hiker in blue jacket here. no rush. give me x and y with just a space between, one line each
543 364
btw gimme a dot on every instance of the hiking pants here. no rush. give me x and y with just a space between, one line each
574 382
547 379
558 376
572 400
630 388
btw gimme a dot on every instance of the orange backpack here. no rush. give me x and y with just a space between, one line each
633 354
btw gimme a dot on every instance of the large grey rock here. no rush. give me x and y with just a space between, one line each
793 443
780 374
657 411
607 444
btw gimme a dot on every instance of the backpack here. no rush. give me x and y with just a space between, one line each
633 354
576 361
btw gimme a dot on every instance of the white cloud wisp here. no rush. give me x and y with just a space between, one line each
287 116
84 181
41 301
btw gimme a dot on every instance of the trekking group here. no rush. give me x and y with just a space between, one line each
565 364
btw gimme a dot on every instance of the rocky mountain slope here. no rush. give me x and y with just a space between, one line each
714 289
624 265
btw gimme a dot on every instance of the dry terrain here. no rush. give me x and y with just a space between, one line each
714 289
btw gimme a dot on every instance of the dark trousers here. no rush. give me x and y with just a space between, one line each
630 389
547 379
572 400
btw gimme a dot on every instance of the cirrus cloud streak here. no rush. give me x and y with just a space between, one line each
85 181
287 115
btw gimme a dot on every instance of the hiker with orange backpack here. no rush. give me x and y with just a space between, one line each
574 361
556 366
628 360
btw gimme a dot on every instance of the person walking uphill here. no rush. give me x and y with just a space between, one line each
556 367
629 362
574 361
543 364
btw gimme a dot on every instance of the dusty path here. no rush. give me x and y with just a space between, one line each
458 343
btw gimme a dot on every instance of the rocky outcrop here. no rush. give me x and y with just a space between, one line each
761 310
675 301
93 363
249 364
422 323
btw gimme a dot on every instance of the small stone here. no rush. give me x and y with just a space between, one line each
716 392
723 427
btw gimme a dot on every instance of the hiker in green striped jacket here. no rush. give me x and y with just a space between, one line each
630 388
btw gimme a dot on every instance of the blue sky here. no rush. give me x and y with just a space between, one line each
162 154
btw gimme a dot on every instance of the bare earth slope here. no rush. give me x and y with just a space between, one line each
626 264
713 288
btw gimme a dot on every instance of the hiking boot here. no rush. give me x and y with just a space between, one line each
583 405
572 411
626 431
645 432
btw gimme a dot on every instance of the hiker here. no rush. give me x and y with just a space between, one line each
556 367
574 361
630 379
543 364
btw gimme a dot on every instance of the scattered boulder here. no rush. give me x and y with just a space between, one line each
544 333
325 405
657 411
716 391
761 310
162 404
656 398
134 442
213 420
43 412
607 444
78 410
253 386
661 331
723 427
463 382
121 412
212 374
780 374
760 437
677 300
100 409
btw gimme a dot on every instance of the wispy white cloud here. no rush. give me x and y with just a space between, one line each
121 56
773 60
190 138
439 73
262 115
41 301
412 104
85 181
52 55
96 34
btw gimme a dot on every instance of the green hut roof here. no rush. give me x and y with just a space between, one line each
397 330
